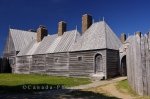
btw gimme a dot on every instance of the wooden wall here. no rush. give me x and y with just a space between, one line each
22 65
4 65
86 66
68 64
38 64
112 63
1 66
138 64
57 64
10 54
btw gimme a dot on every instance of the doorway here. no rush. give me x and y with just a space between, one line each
98 64
123 66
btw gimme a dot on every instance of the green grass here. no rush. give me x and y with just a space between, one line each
14 82
124 87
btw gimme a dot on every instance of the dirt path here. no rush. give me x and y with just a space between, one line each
98 83
111 89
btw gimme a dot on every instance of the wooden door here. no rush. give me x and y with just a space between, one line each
123 66
98 63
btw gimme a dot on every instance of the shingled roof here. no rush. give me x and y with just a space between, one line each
38 47
21 38
51 44
98 36
65 42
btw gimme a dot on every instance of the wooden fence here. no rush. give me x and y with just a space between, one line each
138 64
4 66
0 65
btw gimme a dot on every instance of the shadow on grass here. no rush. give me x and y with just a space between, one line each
79 94
29 88
53 92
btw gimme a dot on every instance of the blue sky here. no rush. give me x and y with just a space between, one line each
126 16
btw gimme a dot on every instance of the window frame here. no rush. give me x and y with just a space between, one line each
56 60
80 58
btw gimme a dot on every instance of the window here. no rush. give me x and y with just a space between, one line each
17 52
23 61
80 58
56 60
11 61
35 61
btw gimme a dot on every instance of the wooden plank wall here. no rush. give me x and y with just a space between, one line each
57 64
112 63
138 64
38 63
22 65
67 64
86 66
1 66
4 65
9 53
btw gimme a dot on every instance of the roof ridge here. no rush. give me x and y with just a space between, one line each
71 30
104 23
21 30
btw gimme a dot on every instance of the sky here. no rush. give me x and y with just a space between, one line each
123 16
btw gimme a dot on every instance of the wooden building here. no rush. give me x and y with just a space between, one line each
92 53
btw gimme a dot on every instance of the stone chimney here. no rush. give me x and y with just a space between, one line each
123 37
86 22
138 33
41 32
61 28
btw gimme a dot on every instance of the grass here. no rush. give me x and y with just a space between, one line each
125 88
15 82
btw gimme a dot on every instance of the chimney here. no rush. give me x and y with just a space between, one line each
61 28
86 22
41 32
123 37
138 33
